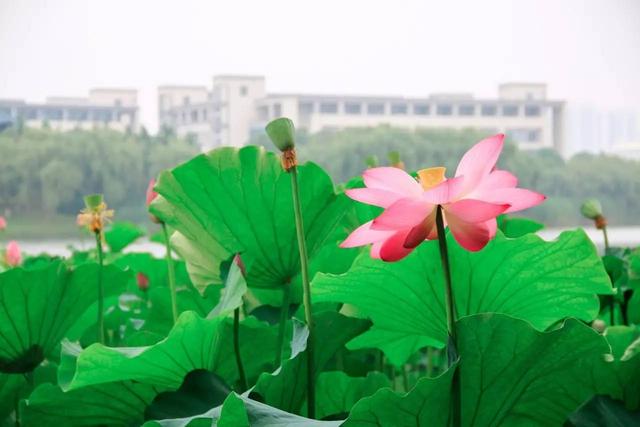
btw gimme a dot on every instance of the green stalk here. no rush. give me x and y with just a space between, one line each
452 350
606 239
284 315
306 294
101 335
236 349
171 273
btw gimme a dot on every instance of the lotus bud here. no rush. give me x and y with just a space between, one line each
13 255
142 281
599 325
238 261
151 196
282 133
394 160
3 223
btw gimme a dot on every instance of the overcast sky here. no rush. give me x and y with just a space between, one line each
588 51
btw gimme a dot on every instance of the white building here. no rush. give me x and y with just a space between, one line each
237 106
109 108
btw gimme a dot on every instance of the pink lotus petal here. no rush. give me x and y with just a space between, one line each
499 179
405 213
13 255
372 196
518 198
392 179
151 194
364 235
446 191
375 250
3 223
471 210
480 160
393 248
425 231
471 236
492 225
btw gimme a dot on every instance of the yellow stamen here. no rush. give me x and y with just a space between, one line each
431 177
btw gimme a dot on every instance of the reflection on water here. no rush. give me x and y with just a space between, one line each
618 236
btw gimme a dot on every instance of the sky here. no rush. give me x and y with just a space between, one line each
587 51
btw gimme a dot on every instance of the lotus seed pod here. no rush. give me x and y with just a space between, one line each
93 201
282 133
591 208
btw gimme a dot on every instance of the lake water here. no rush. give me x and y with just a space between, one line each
618 236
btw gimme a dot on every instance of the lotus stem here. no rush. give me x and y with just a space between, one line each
171 273
101 334
306 293
452 350
606 239
284 315
236 348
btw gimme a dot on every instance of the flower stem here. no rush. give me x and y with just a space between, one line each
284 315
606 239
101 335
236 348
171 273
452 350
306 293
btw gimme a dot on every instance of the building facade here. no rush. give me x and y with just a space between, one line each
238 106
104 108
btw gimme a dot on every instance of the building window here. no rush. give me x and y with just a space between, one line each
488 110
244 91
204 115
532 110
77 115
421 109
30 113
102 116
352 108
186 100
53 114
525 135
328 107
277 110
466 110
444 109
305 107
375 109
398 108
510 110
263 112
194 116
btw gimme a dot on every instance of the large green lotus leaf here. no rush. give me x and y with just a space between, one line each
286 388
336 392
193 343
121 234
619 375
155 269
511 375
517 227
240 411
239 201
38 307
10 387
603 411
114 404
528 278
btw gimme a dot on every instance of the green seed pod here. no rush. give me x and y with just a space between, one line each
372 161
282 133
591 209
93 201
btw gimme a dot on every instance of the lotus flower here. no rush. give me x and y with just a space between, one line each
470 201
13 255
3 223
151 194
